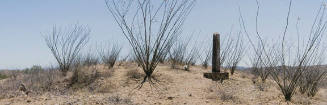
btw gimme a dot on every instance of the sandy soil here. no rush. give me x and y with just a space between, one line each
176 87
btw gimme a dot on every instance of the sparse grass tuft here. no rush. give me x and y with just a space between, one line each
117 100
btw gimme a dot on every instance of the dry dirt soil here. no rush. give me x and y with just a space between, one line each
175 87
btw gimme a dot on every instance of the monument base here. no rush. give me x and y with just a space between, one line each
216 76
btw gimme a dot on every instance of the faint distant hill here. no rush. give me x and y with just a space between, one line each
242 68
324 67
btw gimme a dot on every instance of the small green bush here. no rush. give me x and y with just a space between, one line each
33 70
2 76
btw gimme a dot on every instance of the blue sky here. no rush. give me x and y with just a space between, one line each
22 23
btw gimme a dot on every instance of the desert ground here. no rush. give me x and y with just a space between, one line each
174 87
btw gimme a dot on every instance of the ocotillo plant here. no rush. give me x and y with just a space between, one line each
150 26
66 44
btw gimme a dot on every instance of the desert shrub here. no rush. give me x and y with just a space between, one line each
226 96
110 56
183 54
83 76
35 80
177 55
97 82
41 81
236 53
190 60
224 92
38 80
312 91
89 59
134 74
311 79
8 88
263 65
123 60
206 59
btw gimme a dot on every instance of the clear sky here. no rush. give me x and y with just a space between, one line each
22 23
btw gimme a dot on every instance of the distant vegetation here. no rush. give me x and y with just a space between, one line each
2 76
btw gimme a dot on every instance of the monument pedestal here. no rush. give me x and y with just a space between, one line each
216 76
